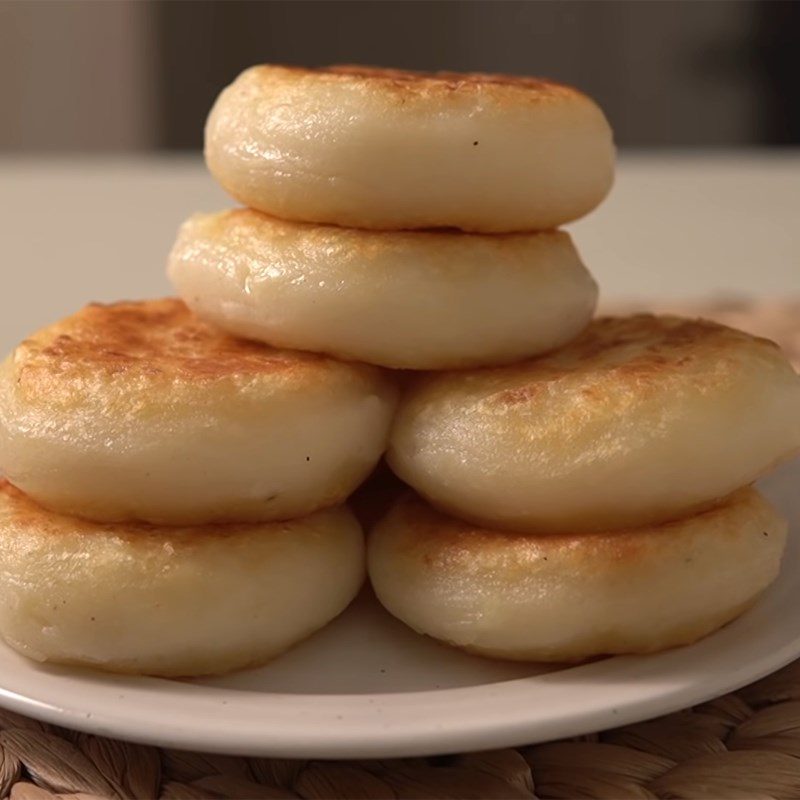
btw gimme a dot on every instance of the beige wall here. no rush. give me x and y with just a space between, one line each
76 75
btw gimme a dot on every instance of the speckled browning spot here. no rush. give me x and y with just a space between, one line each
631 351
422 83
19 512
248 224
453 80
439 540
153 337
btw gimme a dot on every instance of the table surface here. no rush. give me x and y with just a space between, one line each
675 226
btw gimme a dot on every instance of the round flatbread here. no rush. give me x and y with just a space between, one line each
172 601
413 300
142 411
373 148
639 420
572 596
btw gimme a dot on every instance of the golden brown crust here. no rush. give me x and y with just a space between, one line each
647 346
639 352
135 346
574 595
637 421
164 600
477 152
141 411
430 84
452 80
442 542
21 513
360 240
154 337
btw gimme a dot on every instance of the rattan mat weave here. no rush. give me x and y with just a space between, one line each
743 745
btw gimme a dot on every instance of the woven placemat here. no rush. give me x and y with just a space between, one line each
743 745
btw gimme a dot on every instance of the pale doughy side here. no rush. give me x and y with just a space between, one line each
412 300
384 149
141 411
574 596
639 420
170 601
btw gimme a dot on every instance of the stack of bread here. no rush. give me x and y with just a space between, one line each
177 469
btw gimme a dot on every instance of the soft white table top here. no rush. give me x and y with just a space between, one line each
675 226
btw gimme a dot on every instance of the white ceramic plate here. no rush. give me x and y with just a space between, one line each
366 686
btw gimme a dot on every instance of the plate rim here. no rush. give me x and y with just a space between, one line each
320 737
572 701
272 742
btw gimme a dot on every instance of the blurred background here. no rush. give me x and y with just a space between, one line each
103 104
133 75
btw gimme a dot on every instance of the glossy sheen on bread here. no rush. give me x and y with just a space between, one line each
141 411
372 148
639 420
573 596
412 300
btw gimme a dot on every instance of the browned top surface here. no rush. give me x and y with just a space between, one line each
436 540
157 335
646 344
453 80
265 227
426 83
152 337
617 354
776 320
18 513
